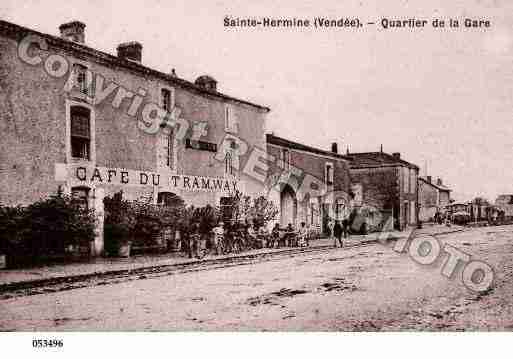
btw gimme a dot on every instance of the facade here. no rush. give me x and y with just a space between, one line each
387 184
433 198
311 185
93 124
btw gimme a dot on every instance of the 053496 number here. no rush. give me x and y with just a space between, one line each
47 343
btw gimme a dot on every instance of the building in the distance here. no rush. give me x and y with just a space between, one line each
434 197
93 124
505 203
310 185
387 184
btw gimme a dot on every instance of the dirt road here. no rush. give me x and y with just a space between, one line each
368 287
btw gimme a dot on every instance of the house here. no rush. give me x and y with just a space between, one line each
386 185
310 184
433 198
92 124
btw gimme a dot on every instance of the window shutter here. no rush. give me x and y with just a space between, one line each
80 126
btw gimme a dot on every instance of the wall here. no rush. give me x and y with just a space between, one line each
313 165
428 199
387 188
33 112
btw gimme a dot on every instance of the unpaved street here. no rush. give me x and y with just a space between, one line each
368 287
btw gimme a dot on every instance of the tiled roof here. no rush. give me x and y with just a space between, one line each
377 159
103 57
279 141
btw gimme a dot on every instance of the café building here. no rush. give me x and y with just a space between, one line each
92 124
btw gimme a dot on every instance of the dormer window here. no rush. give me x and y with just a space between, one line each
80 81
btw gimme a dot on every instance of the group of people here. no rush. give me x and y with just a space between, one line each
289 237
224 239
338 230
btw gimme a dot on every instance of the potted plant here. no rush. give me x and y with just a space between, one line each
118 243
120 222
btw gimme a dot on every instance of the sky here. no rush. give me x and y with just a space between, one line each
440 97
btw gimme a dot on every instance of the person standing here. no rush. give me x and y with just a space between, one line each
331 226
194 241
218 232
275 236
303 235
337 233
345 227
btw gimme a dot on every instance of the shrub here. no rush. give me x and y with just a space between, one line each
11 228
138 222
263 211
45 227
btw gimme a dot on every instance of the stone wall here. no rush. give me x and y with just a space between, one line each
33 126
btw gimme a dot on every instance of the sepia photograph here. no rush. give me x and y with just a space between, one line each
237 166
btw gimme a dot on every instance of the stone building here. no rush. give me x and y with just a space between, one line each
310 184
386 184
433 198
93 124
505 203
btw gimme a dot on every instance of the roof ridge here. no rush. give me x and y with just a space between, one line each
127 64
308 148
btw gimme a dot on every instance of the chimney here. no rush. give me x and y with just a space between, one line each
397 155
206 82
73 31
130 51
334 147
439 181
429 178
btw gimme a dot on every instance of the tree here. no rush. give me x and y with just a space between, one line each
263 211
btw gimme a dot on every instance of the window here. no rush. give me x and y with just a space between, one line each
228 168
169 199
329 174
166 99
82 79
80 196
169 149
230 122
80 132
285 159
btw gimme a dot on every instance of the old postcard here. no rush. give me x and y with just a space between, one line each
255 166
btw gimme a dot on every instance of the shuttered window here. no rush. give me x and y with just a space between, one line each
166 99
80 132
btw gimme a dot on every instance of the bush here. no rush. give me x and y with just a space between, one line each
137 222
11 228
45 228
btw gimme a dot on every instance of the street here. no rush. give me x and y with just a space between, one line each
367 287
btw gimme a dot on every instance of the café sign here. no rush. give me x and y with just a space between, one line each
91 175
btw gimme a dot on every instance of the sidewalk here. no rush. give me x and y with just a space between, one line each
100 265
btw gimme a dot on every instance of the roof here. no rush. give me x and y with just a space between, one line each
437 186
103 57
377 159
279 141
